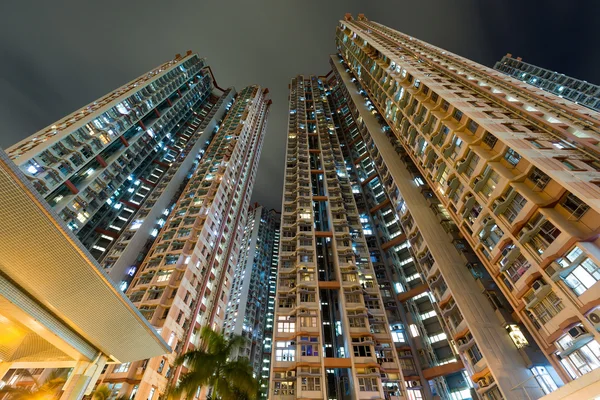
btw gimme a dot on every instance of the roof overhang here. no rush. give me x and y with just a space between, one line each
53 292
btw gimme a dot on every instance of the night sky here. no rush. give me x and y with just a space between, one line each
57 56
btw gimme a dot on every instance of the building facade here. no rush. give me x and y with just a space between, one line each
250 308
111 168
332 338
494 184
155 180
429 365
183 283
576 90
265 373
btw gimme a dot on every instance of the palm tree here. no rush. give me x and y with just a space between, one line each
102 392
210 366
47 390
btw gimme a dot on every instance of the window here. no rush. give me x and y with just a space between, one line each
136 296
570 165
539 178
546 235
356 322
512 157
494 394
362 351
490 183
307 297
309 321
472 163
456 147
472 126
437 337
537 144
515 207
517 269
122 368
575 206
372 304
398 337
179 317
353 298
474 354
285 351
544 379
311 383
583 360
489 140
368 384
414 331
285 388
284 324
547 308
584 275
312 349
457 115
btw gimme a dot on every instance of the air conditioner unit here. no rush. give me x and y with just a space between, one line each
290 373
292 343
577 331
538 284
483 382
372 371
594 318
414 383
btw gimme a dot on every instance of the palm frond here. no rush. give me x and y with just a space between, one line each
209 366
223 388
235 342
102 392
241 374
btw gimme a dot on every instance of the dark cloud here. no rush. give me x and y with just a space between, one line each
57 56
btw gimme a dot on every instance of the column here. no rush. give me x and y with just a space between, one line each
82 378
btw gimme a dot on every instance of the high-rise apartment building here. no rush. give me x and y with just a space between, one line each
155 179
111 168
265 373
481 196
183 283
251 303
576 90
423 346
331 337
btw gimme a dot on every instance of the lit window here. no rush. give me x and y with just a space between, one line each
414 331
398 337
136 224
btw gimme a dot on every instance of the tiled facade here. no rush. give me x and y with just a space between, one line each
576 90
250 307
495 185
